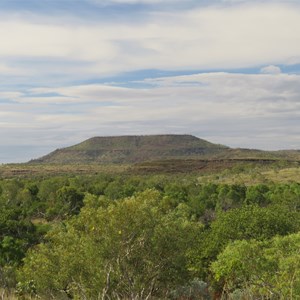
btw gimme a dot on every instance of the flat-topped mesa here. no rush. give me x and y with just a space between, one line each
143 141
132 149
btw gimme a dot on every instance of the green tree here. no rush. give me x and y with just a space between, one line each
70 198
247 222
257 194
261 269
128 249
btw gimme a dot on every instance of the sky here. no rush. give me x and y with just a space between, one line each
227 71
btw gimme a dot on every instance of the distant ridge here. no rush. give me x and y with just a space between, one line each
133 149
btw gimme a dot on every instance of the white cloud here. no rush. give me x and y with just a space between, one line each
22 38
270 70
204 38
10 95
7 70
239 110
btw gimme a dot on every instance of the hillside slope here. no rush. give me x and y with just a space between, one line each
133 149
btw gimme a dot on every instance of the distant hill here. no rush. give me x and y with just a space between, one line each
133 149
153 148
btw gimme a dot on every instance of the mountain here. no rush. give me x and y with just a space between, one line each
156 148
133 149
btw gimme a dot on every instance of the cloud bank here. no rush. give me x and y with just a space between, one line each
207 38
260 110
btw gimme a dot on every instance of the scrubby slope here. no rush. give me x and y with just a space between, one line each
133 149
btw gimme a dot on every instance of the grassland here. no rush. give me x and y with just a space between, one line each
231 171
48 170
254 176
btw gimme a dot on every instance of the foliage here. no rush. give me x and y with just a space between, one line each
108 234
269 269
194 290
129 249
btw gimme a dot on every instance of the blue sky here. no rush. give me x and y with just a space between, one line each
224 70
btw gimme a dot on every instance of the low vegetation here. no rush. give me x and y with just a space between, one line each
116 235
